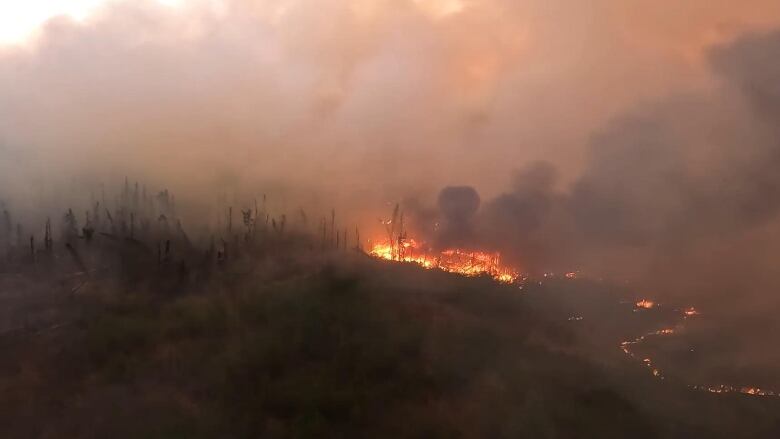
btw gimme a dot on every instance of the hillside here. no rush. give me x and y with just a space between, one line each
333 347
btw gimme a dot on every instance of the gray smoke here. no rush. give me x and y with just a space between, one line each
680 196
457 205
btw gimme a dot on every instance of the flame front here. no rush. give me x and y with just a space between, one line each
646 304
464 262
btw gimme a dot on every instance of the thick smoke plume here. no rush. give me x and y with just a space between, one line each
680 196
645 135
407 96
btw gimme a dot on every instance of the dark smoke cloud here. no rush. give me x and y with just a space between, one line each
680 196
458 205
685 183
523 216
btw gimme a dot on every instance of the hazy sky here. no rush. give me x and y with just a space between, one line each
351 86
388 95
20 20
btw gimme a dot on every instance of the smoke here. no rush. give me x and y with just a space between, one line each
680 196
333 94
457 205
643 152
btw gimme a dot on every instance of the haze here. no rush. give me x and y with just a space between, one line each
652 119
215 215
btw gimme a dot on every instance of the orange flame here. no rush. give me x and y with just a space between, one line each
646 304
722 388
464 262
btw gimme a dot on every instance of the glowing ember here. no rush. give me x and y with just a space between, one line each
756 391
627 348
646 304
464 262
571 275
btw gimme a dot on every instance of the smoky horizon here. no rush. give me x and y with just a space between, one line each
617 146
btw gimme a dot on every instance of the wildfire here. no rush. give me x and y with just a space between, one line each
646 304
627 348
464 262
755 391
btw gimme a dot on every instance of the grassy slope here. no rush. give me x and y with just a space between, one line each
357 349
